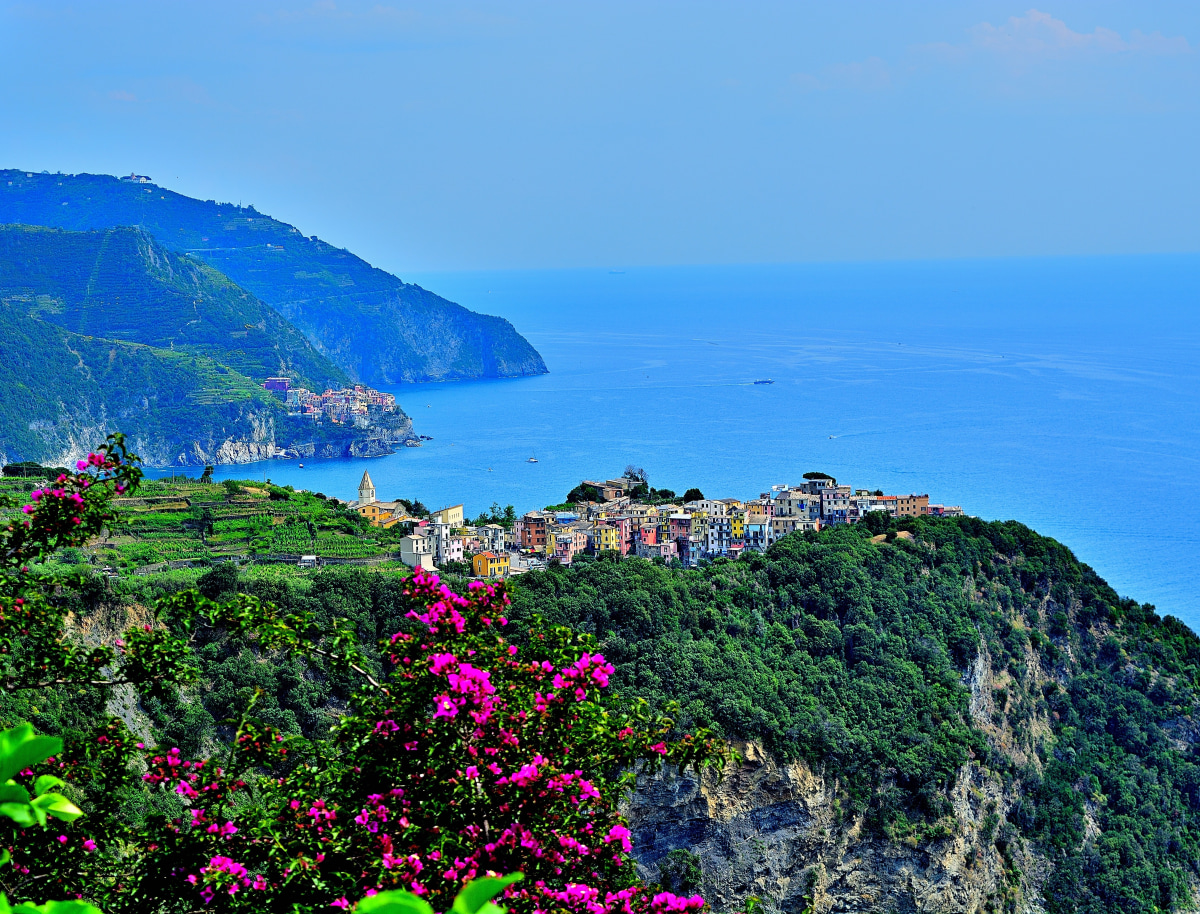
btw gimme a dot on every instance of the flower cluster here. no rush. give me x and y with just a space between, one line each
224 874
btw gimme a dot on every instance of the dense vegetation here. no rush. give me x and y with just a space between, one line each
851 654
849 649
372 325
459 756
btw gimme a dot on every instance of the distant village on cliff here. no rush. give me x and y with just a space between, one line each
622 520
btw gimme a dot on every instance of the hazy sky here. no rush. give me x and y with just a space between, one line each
445 135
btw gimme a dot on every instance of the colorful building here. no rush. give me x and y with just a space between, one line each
533 532
452 516
489 564
912 505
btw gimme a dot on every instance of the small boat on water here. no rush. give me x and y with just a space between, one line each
301 466
765 381
532 460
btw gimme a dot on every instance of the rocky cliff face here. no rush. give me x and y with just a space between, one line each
775 831
237 435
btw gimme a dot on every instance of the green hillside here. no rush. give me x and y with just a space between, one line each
974 663
372 325
121 284
64 391
897 667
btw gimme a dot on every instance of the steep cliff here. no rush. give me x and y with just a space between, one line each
121 284
778 832
372 325
65 391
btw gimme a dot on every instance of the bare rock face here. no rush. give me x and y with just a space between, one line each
775 831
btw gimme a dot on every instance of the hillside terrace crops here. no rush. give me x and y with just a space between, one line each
185 520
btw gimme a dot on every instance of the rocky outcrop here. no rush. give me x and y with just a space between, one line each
776 831
229 435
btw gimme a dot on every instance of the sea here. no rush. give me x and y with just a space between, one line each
1059 392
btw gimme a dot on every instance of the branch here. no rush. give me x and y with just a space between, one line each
354 666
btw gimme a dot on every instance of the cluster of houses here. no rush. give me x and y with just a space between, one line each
440 537
359 405
623 524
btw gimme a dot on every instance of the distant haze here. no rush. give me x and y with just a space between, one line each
450 136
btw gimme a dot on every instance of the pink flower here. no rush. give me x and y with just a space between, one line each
89 845
340 903
619 833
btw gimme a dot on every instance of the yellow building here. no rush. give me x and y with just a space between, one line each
452 516
737 525
385 514
605 537
489 565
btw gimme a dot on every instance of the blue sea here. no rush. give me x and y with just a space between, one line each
1062 393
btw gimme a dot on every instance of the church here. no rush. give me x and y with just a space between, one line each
379 513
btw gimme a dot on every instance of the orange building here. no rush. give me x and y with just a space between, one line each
489 565
912 505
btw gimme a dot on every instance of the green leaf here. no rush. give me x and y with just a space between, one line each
476 896
5 856
45 783
13 793
21 813
58 806
68 907
50 907
393 902
20 748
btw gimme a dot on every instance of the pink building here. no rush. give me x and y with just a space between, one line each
624 527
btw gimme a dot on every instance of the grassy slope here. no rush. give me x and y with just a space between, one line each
187 520
371 324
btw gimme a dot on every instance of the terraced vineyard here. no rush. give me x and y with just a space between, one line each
183 520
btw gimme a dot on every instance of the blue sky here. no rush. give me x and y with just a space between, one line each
445 136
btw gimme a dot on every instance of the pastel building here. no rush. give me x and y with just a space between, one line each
912 505
416 551
605 538
492 537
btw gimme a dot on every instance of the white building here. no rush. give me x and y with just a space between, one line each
492 536
416 551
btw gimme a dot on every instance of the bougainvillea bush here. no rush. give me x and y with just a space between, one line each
468 756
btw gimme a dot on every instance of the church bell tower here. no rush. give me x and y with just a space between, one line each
366 490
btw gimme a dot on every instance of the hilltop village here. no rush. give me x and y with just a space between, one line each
624 517
359 405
